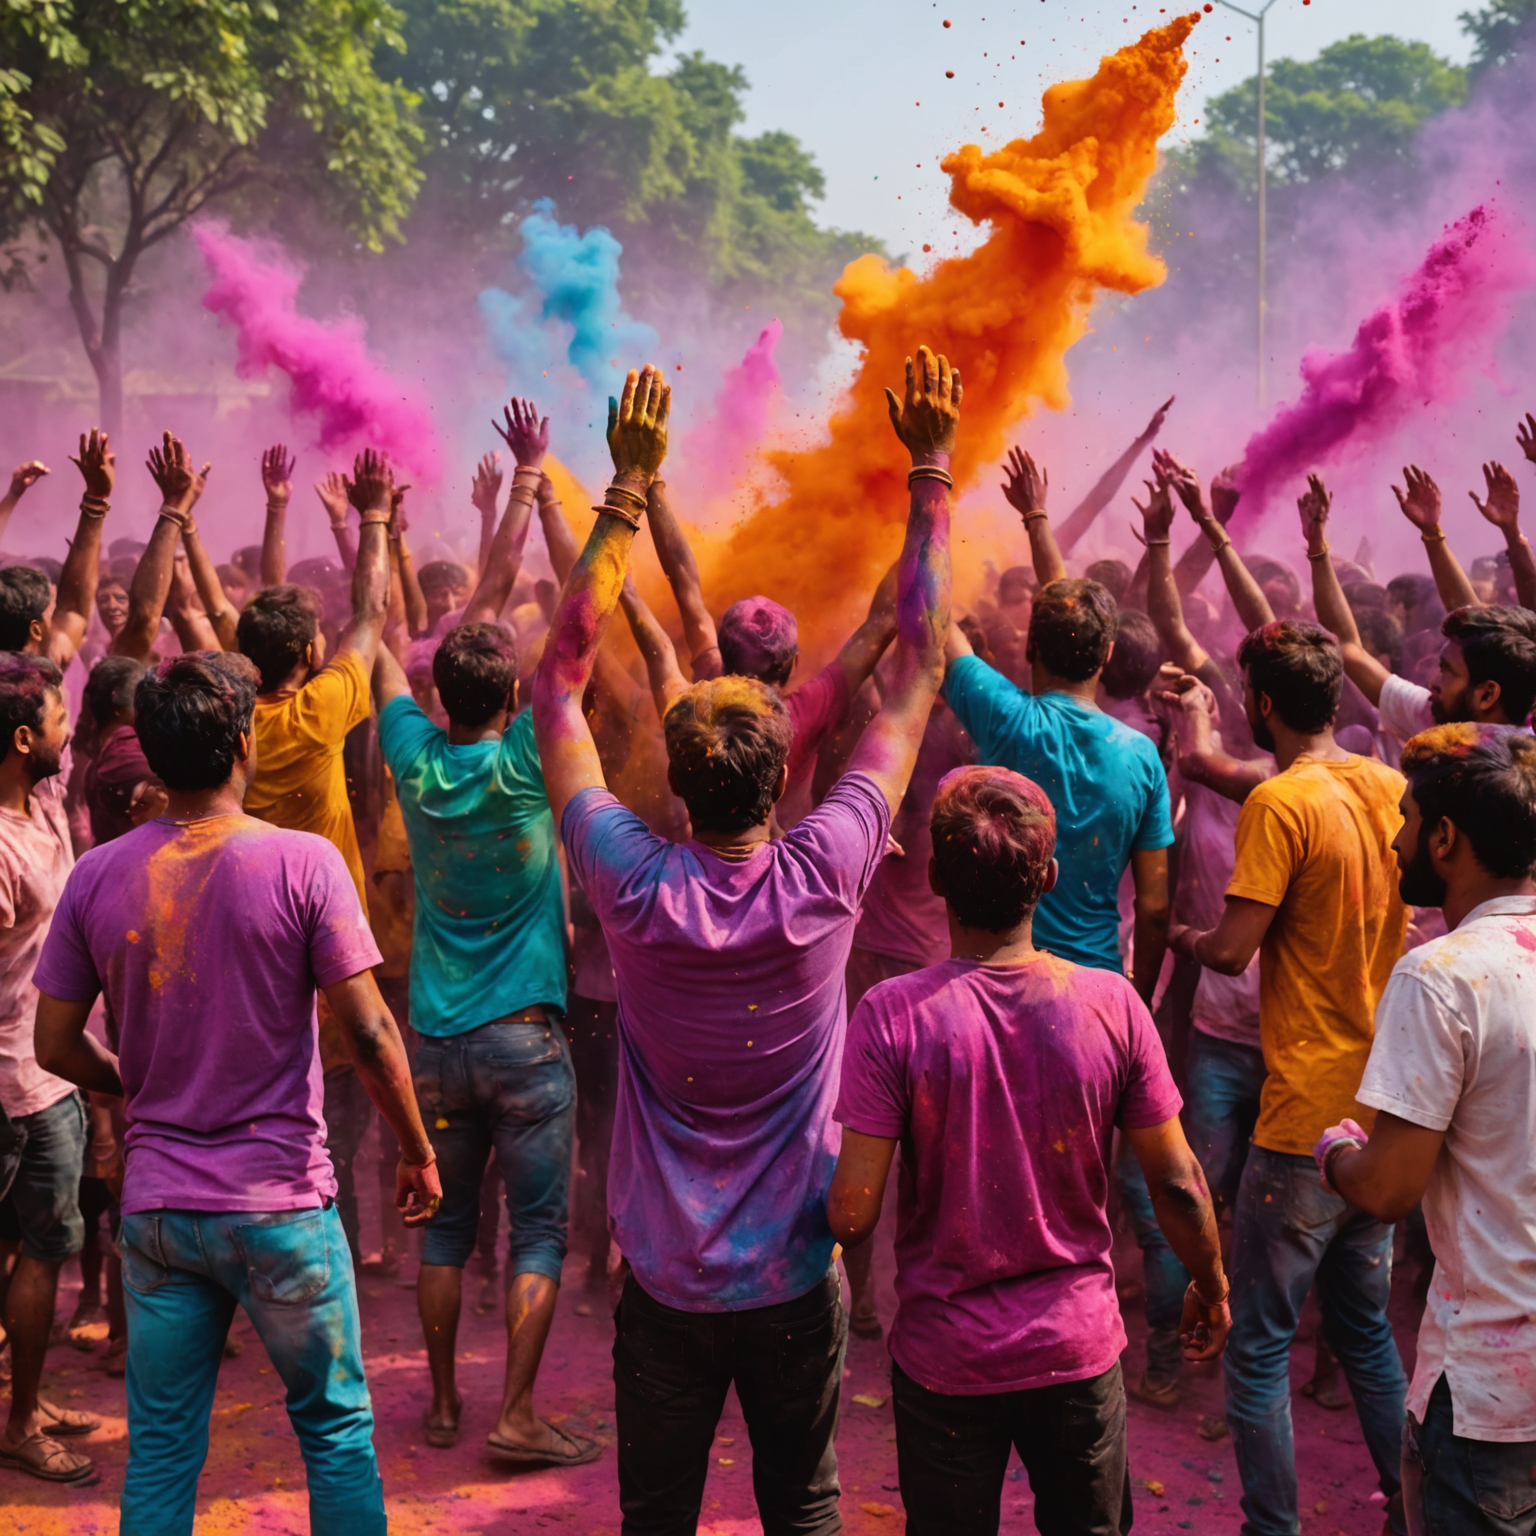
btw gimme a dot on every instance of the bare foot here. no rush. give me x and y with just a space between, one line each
442 1423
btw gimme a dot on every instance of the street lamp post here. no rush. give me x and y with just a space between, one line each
1257 18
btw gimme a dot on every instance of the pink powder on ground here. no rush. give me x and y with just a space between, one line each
356 402
1414 349
743 411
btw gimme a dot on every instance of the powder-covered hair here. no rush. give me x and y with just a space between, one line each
1498 645
728 739
994 836
1482 779
1072 627
25 683
190 715
1300 667
441 576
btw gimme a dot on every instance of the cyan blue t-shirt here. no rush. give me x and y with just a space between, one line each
1105 780
489 938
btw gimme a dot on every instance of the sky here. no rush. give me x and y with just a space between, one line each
862 82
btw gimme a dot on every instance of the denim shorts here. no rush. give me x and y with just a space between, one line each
41 1156
508 1089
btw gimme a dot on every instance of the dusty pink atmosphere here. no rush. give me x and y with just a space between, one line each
253 1484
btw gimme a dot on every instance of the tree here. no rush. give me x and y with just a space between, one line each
122 119
1499 33
1357 106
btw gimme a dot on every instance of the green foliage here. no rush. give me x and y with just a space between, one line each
1498 32
1358 105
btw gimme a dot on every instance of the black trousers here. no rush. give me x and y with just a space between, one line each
952 1453
671 1371
593 1031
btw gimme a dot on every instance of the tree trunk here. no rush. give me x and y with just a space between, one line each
108 365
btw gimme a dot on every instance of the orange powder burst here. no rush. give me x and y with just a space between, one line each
1060 208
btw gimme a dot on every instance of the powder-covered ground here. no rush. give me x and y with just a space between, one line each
254 1480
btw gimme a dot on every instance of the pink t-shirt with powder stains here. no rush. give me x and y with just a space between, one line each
1004 1084
209 941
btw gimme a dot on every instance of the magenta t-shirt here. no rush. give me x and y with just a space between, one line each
732 1011
1004 1084
209 941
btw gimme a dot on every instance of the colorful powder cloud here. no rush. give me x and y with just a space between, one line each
354 400
572 314
1413 350
717 450
1060 211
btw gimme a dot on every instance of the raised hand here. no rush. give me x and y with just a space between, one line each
525 434
485 490
277 474
332 491
398 522
97 463
25 476
927 419
199 485
1225 494
1183 481
1027 484
1159 416
1314 507
1420 501
179 480
637 424
1502 508
1525 435
372 486
1157 514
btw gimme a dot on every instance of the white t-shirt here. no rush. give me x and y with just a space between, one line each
1455 1051
1403 708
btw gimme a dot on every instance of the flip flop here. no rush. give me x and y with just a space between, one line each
441 1437
41 1464
63 1422
582 1451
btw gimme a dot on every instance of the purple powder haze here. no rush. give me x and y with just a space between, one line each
1410 352
354 400
717 450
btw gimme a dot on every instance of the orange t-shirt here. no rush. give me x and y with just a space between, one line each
1315 842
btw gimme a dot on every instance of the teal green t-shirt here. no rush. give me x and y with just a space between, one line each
489 938
1105 781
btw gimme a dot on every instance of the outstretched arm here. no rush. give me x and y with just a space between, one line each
1164 606
1328 600
559 541
1081 518
1502 509
372 491
171 466
1246 594
682 573
23 478
665 676
332 491
1420 501
1025 489
210 590
277 480
863 649
483 493
925 421
194 630
1187 706
528 438
77 581
637 438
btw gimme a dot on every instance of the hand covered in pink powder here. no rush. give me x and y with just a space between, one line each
1314 507
277 475
1421 501
25 476
372 486
525 434
486 487
1525 435
1502 508
332 491
96 463
928 417
1345 1134
180 482
1027 485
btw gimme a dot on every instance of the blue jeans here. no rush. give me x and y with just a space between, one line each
184 1272
1460 1486
41 1156
507 1088
1223 1082
1289 1231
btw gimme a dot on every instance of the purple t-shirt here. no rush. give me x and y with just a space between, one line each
1004 1084
209 941
732 1012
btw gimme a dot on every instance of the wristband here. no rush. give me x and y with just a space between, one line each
633 519
1321 554
1155 543
1030 517
1226 543
1211 1306
94 506
518 491
179 518
1345 1134
374 522
1437 537
409 1164
930 472
277 506
624 493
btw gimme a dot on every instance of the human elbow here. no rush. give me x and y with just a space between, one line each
852 1216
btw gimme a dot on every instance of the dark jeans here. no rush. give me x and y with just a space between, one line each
1465 1487
1287 1232
506 1088
592 1029
41 1156
671 1371
348 1109
952 1453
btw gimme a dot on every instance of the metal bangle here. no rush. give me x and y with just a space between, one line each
1030 517
624 492
930 472
1437 537
1321 554
1156 543
621 514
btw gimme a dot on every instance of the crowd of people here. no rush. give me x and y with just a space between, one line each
1104 899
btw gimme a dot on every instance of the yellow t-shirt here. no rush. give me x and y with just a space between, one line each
300 782
391 919
1315 842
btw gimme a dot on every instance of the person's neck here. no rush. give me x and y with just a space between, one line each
468 735
736 845
1289 745
16 784
206 804
290 685
1012 947
1464 893
1043 680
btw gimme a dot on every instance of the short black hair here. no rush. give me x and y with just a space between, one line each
1499 646
190 715
1381 635
25 683
1137 655
1015 584
1417 595
24 597
1300 667
475 669
1113 575
728 739
1363 595
1072 627
275 629
110 687
442 576
1482 779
